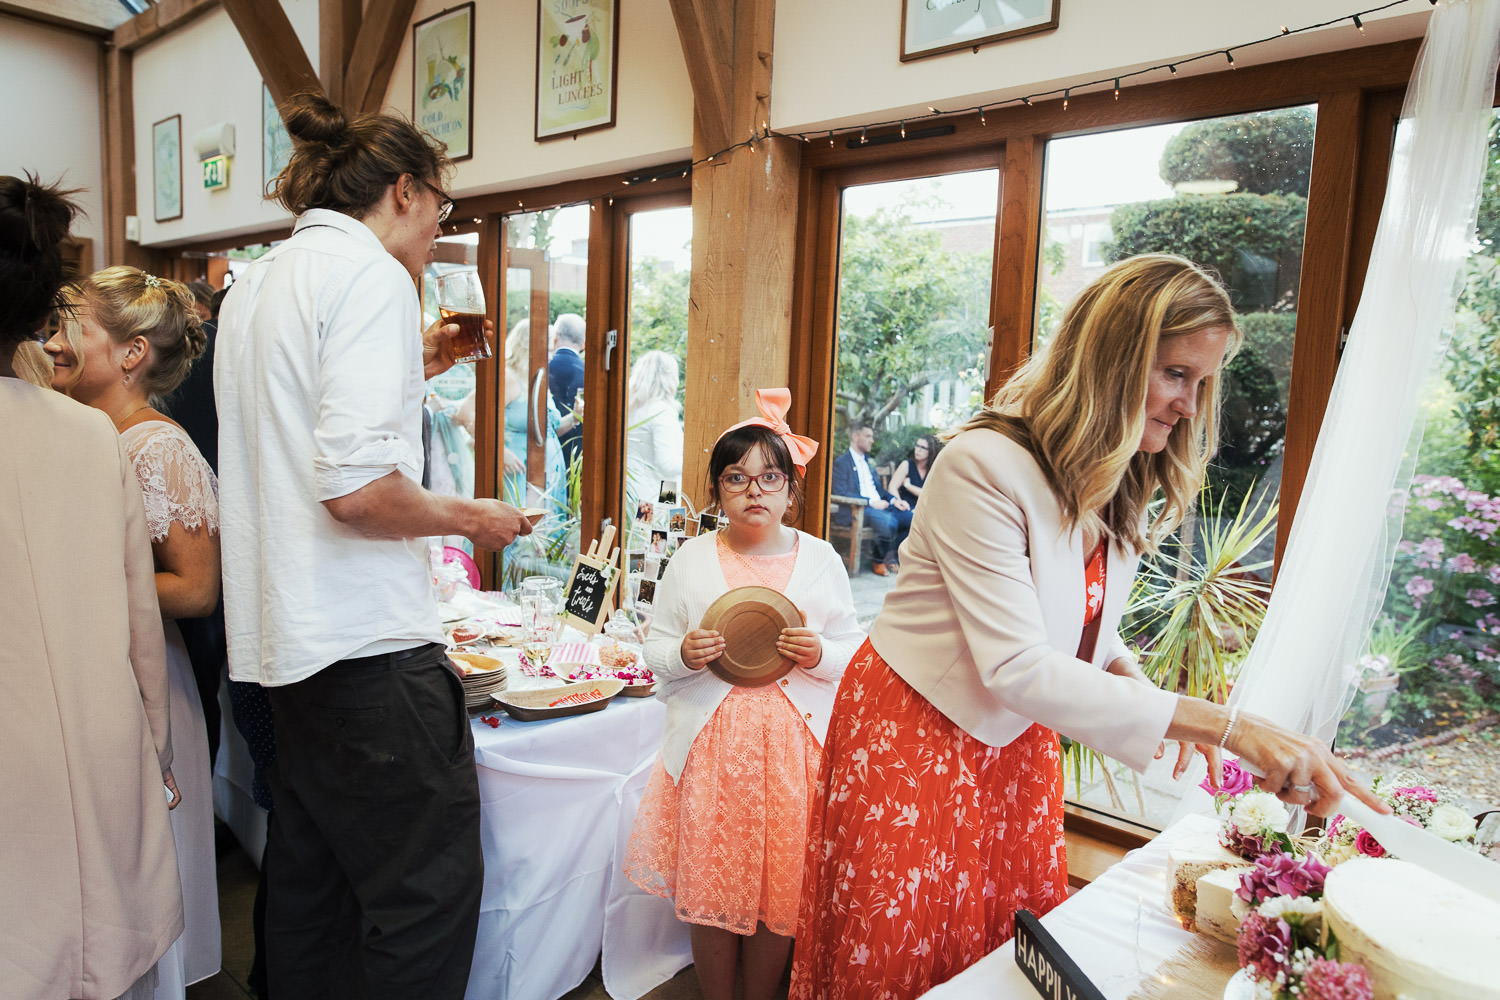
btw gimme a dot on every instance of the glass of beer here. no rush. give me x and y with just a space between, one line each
461 300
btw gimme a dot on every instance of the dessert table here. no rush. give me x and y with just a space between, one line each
558 799
1118 929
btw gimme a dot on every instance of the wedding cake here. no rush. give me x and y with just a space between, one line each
1214 914
1418 935
1189 859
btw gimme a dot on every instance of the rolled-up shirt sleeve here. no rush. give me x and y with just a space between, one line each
370 339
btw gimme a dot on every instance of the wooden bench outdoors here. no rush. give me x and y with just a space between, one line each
857 532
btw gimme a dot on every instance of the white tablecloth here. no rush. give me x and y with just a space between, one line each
558 799
1118 929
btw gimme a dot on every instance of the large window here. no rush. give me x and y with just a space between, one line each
915 264
543 358
1430 689
1229 194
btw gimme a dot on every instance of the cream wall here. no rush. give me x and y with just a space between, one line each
204 73
838 61
653 117
51 118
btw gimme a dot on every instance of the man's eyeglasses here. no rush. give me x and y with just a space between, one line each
738 482
445 203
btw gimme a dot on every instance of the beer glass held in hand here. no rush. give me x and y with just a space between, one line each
461 301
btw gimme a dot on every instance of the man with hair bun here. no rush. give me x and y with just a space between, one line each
373 860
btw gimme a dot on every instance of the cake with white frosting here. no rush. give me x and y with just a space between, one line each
1189 859
1214 913
1418 935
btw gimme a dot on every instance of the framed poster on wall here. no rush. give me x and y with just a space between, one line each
275 144
442 100
166 168
929 27
577 66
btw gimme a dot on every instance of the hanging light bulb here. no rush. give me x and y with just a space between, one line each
1026 101
982 122
903 130
1117 88
862 136
1358 23
1285 30
1066 94
1172 69
1230 56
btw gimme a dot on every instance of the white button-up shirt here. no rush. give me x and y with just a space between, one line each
866 481
318 379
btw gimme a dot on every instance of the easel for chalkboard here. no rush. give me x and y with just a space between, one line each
586 598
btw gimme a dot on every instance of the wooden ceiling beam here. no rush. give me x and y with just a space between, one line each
159 19
338 27
275 47
706 30
373 57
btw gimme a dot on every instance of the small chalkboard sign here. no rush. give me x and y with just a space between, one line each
1050 969
587 595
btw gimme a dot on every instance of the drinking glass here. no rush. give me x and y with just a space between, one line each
461 300
538 627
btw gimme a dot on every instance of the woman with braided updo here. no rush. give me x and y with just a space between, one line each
127 340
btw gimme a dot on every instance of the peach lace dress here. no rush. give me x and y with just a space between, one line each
727 842
888 912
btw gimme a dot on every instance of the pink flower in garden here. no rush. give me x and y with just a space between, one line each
1233 779
1493 574
1368 845
1490 622
1429 553
1326 979
1406 547
1463 563
1264 946
1431 503
1488 654
1478 598
1417 588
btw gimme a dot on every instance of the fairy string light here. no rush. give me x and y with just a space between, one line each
859 135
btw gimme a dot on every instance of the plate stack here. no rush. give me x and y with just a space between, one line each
483 676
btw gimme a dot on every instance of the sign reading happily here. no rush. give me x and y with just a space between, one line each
1050 969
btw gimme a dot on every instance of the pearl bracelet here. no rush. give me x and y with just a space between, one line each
1234 716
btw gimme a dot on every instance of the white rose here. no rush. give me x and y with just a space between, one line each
1451 823
1281 906
1260 812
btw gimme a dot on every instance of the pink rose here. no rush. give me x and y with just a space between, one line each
1368 845
1233 779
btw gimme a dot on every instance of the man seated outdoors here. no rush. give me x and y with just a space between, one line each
854 475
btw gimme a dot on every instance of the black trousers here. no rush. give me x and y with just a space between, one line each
373 864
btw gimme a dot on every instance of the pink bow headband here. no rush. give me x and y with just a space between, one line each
774 404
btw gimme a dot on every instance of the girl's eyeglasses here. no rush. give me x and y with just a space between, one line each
738 482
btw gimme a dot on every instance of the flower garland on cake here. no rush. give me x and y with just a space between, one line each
1282 944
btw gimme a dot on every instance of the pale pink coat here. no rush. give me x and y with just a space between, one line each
89 893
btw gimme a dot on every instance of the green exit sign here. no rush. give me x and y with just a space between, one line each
215 173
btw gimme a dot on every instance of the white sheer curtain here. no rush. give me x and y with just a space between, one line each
1331 583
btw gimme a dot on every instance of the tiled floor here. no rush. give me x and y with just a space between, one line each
237 880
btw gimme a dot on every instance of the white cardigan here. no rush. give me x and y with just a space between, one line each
986 615
818 587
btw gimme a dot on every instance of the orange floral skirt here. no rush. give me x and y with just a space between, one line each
923 843
726 843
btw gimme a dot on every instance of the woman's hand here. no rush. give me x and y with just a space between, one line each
171 783
1297 769
800 645
700 647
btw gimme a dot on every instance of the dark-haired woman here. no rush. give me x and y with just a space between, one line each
373 863
89 893
911 474
127 341
722 822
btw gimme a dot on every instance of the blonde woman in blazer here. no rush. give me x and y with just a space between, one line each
941 809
